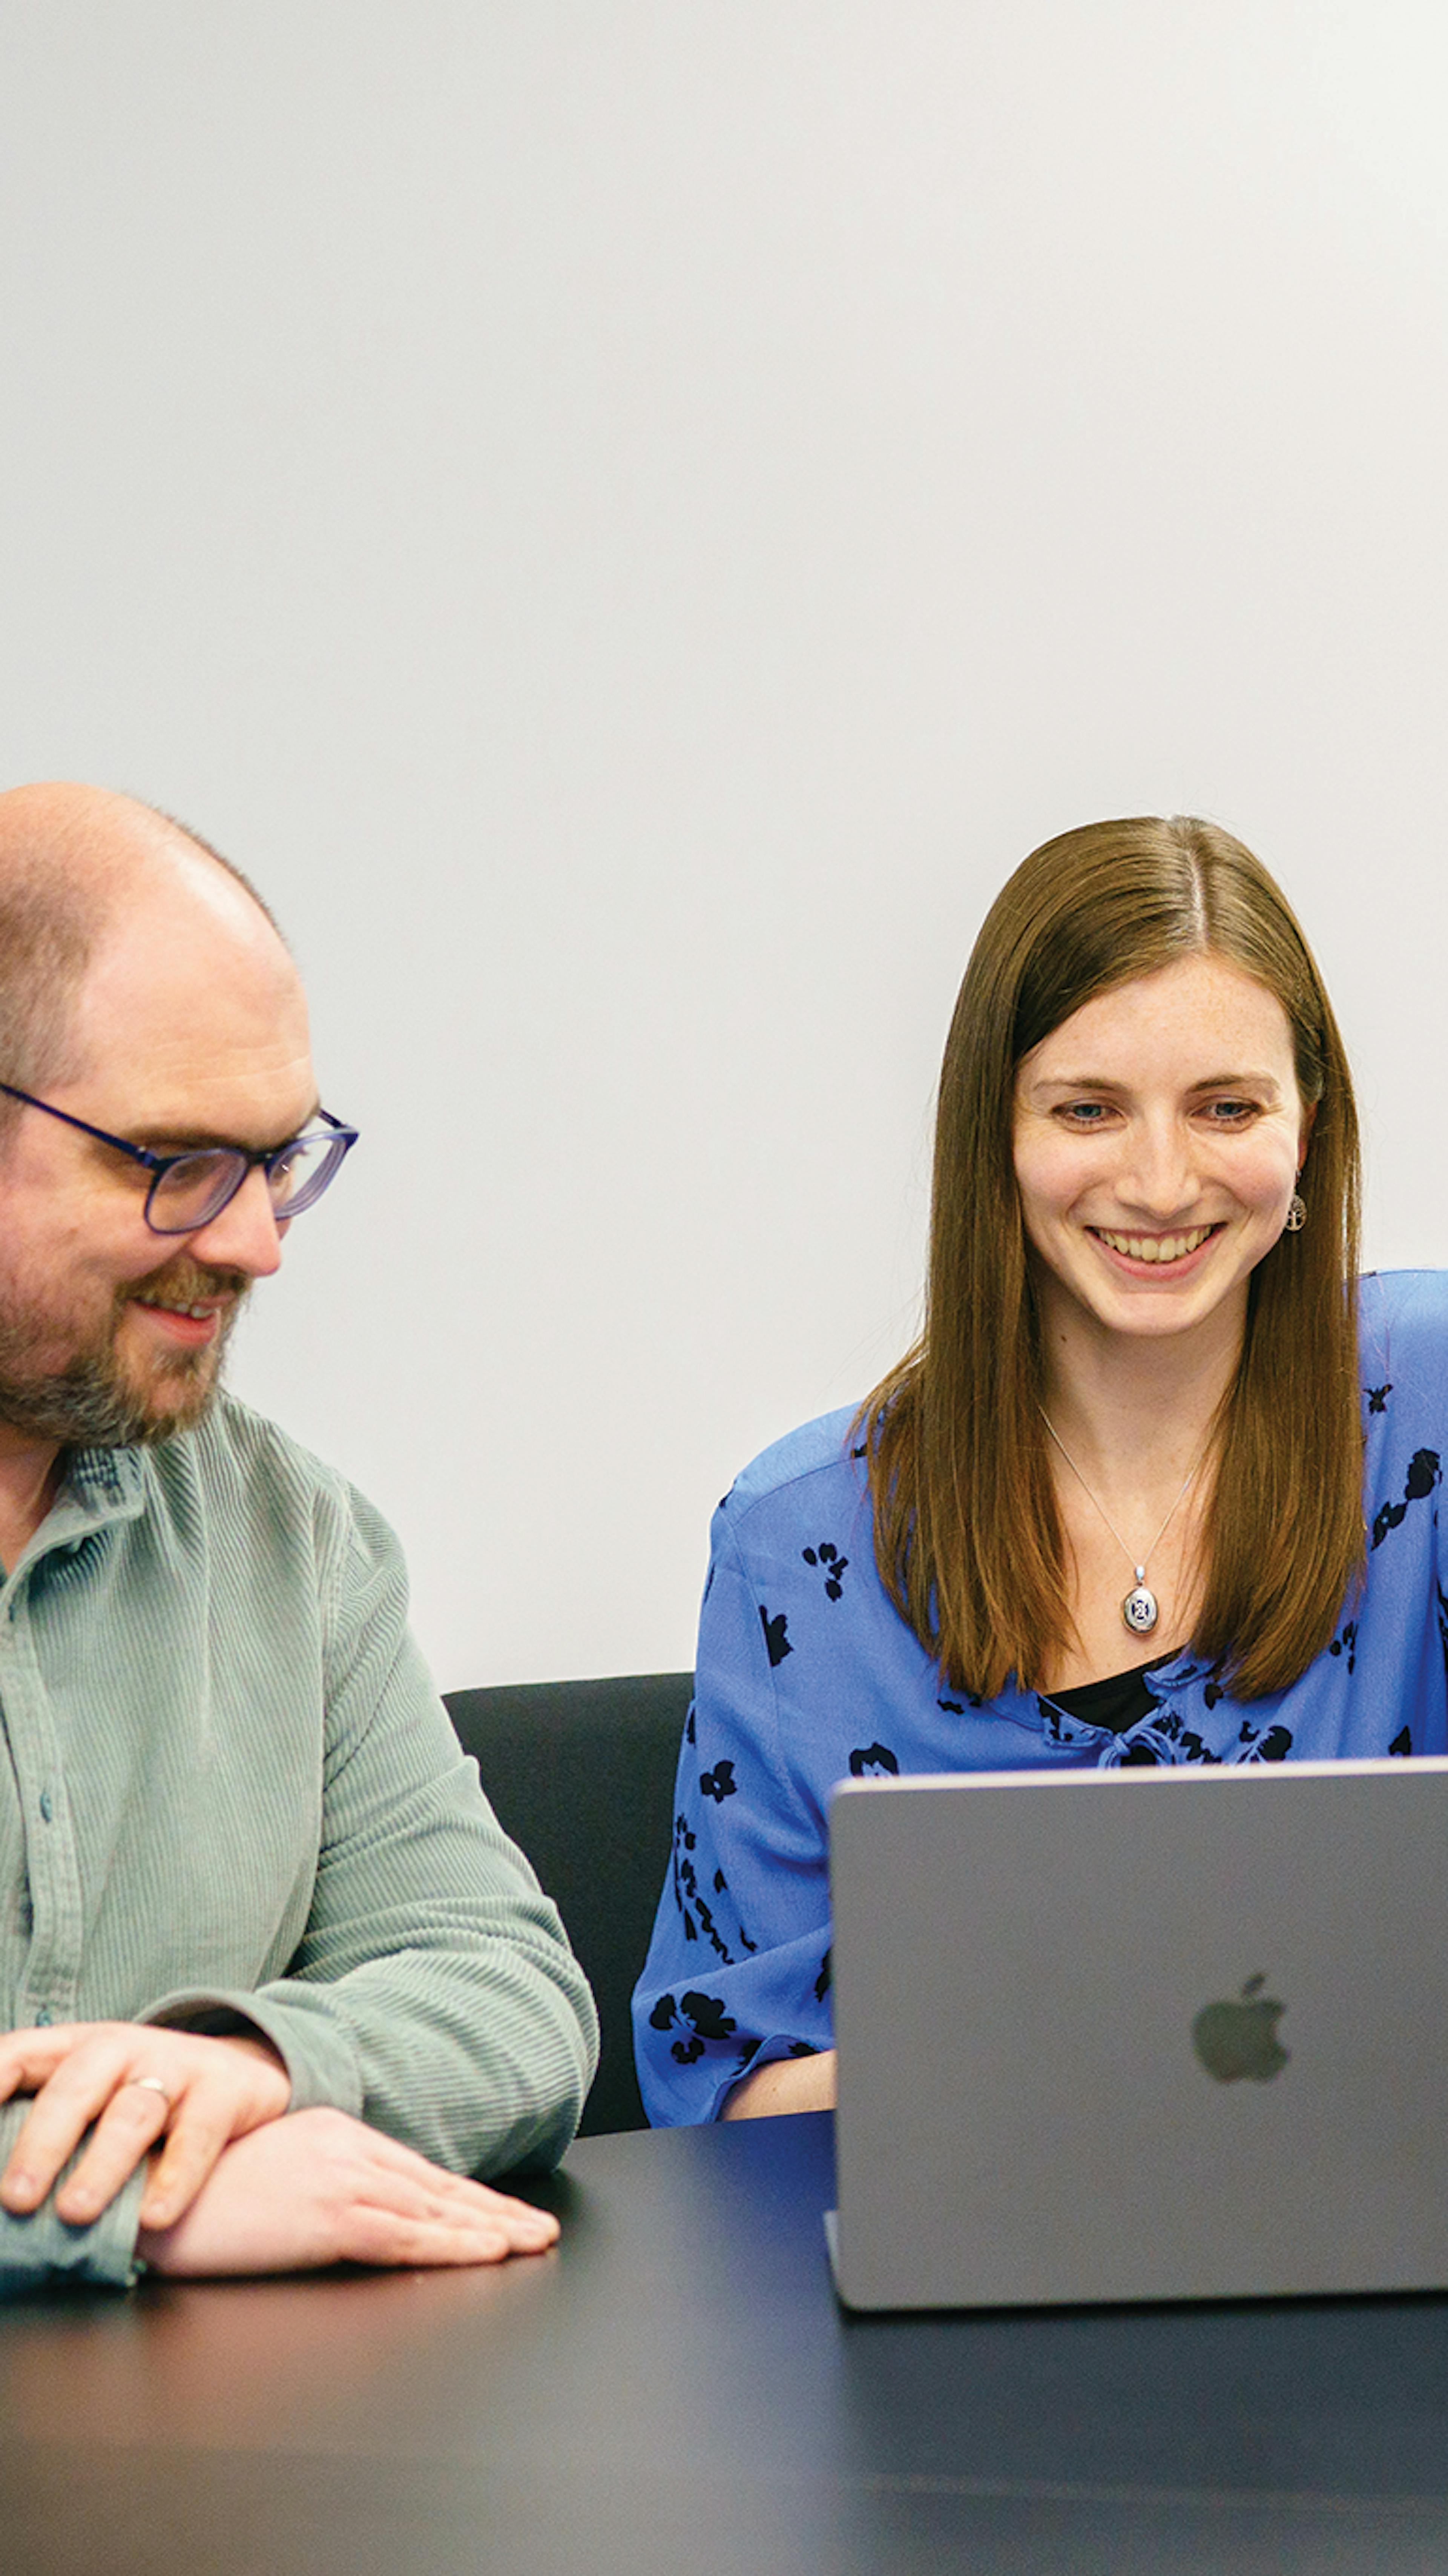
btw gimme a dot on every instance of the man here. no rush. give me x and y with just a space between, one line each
244 1870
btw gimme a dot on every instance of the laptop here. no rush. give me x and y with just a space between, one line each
1141 2034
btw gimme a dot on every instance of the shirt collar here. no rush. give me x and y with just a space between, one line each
98 1487
104 1484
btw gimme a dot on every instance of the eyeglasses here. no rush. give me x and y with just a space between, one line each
188 1190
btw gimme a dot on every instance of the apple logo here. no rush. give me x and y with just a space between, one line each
1236 2039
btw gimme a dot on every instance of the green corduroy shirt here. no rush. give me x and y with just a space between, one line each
231 1797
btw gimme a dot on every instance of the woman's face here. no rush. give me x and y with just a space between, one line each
1158 1136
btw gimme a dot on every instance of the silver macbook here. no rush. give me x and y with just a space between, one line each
1141 2034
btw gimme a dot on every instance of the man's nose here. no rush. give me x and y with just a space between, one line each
245 1235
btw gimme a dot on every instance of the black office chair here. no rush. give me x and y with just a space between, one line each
582 1775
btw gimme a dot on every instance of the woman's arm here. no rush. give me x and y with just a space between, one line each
739 1963
786 2084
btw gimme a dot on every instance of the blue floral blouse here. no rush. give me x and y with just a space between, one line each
807 1675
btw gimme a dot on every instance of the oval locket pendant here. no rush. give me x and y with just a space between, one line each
1139 1609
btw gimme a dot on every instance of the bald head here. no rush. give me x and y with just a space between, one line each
151 1011
81 869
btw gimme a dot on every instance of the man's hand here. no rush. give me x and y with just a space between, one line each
320 2187
134 2084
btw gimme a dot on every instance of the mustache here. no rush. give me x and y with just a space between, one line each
187 1283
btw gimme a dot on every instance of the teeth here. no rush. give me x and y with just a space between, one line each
1155 1247
166 1307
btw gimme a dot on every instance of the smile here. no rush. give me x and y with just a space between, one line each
1155 1247
165 1306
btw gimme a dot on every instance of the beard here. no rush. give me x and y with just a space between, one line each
97 1401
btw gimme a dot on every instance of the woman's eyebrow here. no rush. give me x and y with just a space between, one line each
1040 1085
1077 1082
1266 1083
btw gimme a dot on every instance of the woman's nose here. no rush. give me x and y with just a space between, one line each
1158 1173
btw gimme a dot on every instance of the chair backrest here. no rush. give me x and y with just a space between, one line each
582 1775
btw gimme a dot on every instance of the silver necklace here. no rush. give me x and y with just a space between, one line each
1140 1609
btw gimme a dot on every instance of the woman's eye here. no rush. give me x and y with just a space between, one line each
1231 1113
1085 1113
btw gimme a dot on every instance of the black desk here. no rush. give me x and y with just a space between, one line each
675 2389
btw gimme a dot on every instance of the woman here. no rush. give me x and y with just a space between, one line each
1145 1417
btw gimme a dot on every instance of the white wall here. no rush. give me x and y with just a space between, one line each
628 517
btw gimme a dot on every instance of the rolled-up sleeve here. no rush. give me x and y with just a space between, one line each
41 2247
433 1993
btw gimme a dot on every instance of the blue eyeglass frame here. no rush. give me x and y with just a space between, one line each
246 1158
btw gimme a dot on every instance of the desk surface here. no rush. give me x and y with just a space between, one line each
676 2389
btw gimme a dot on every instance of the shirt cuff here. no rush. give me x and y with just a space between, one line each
318 2056
43 2248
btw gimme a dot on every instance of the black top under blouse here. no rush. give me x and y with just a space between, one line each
1122 1700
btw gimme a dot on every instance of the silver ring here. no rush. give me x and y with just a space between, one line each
151 2084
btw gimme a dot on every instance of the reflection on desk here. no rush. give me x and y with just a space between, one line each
676 2389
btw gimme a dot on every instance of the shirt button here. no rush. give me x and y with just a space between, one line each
43 2018
47 1805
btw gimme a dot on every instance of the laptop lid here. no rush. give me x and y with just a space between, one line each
1141 2034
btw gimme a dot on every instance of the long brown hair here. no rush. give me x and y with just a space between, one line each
967 1534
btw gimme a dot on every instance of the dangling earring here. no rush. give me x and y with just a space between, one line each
1296 1215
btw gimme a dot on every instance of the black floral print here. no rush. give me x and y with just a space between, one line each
868 1761
706 2018
1424 1472
827 1556
776 1636
696 1910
